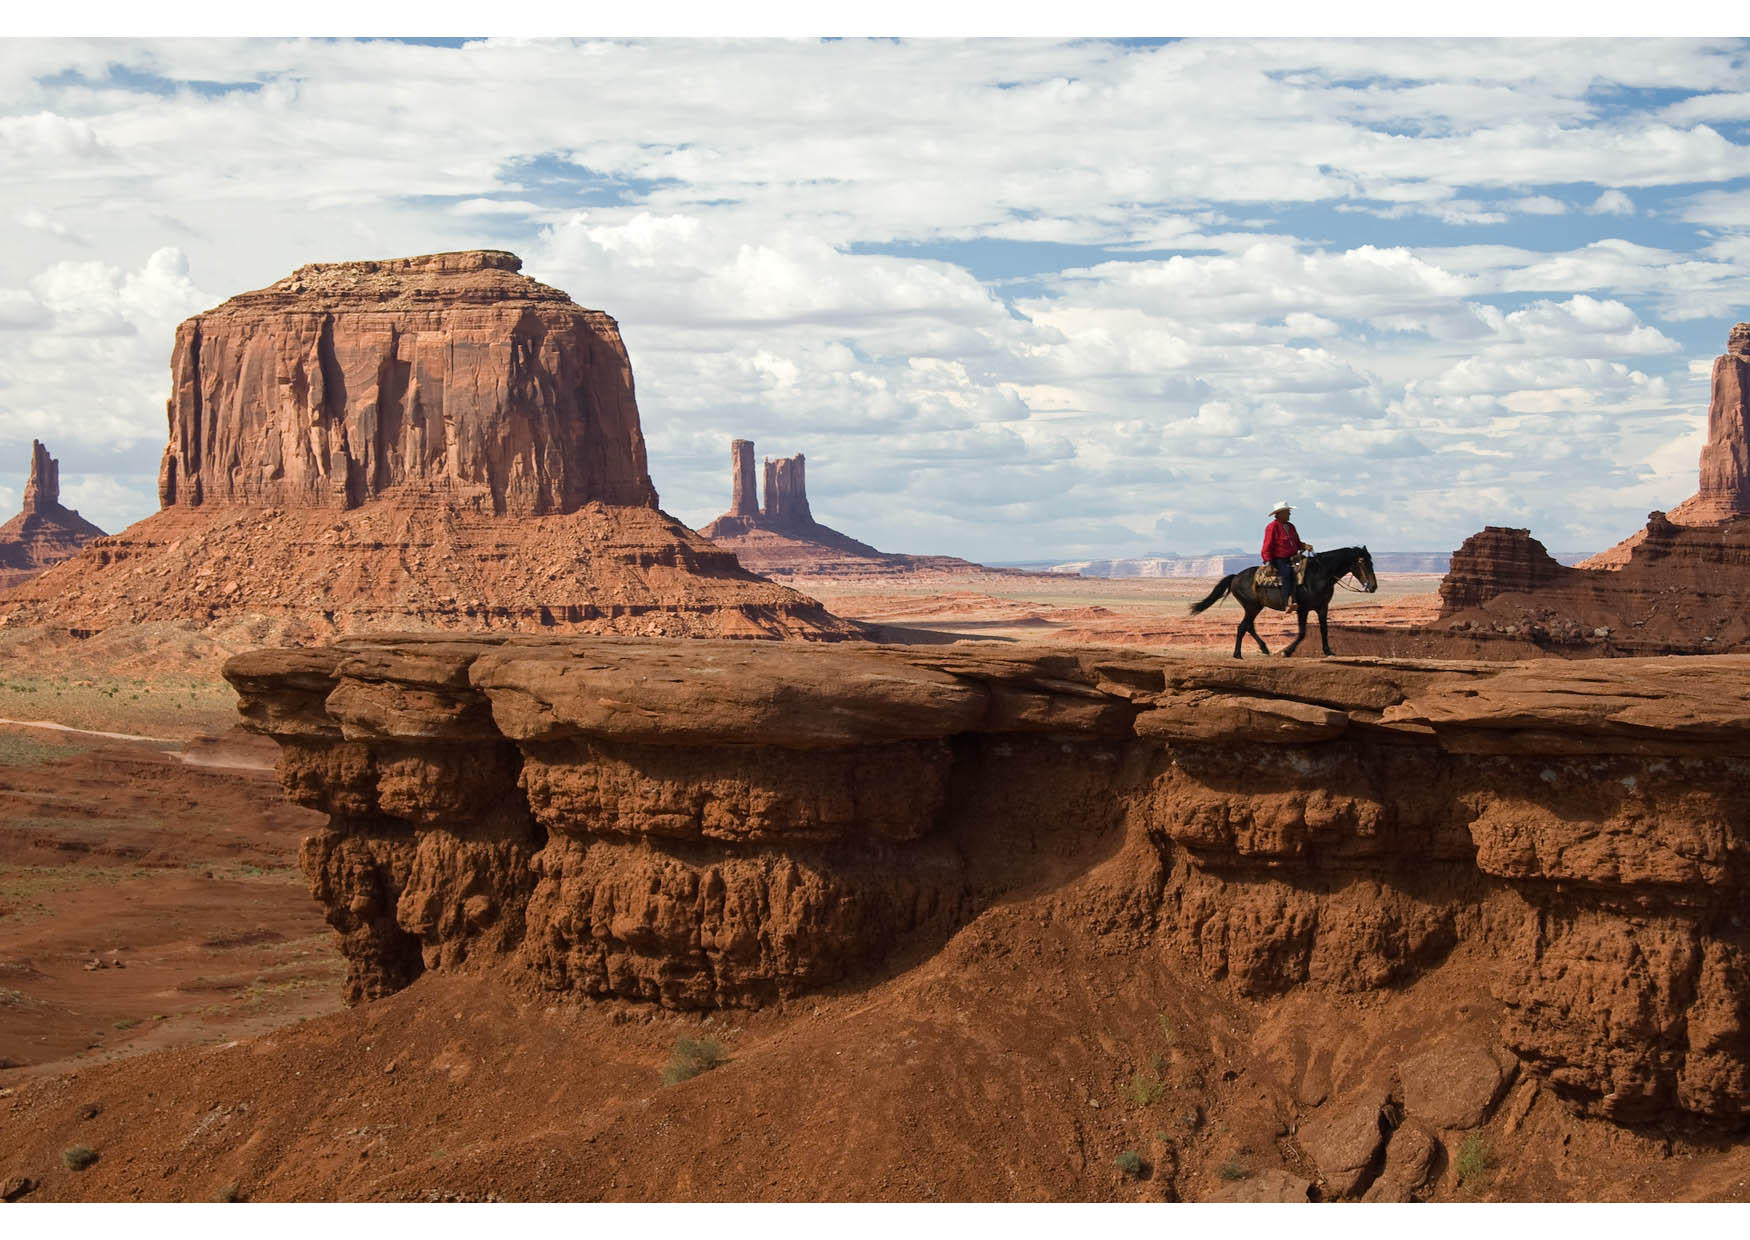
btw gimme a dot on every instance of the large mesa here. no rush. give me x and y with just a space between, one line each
437 441
447 373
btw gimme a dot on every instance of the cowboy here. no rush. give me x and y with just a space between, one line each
1281 544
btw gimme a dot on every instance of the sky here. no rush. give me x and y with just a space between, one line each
1015 299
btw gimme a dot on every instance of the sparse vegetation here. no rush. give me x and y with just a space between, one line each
1474 1157
1130 1163
691 1057
127 1022
1145 1090
78 1157
1166 1028
231 1192
1231 1170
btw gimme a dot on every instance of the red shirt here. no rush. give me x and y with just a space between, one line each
1281 541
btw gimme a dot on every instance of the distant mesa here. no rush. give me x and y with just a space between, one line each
780 537
44 533
436 441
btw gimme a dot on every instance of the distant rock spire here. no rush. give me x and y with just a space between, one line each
786 504
744 501
43 492
1725 459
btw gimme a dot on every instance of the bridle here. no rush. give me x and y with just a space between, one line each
1360 586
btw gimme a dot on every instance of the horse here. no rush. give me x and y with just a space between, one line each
1318 582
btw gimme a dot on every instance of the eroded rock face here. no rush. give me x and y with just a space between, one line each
1497 561
44 533
705 824
447 373
1725 458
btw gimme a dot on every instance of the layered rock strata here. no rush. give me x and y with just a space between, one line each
452 373
44 532
709 824
1682 590
1724 493
1498 561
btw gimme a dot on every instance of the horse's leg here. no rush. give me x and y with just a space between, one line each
1301 636
1252 624
1323 637
1240 636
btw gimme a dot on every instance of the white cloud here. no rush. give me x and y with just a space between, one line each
975 382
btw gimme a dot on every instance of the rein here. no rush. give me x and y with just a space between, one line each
1341 582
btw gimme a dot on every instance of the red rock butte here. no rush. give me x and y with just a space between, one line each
450 373
44 532
431 441
1725 457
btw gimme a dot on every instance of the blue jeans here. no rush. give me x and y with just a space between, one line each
1285 570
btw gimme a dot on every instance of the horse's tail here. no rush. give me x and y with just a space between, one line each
1221 587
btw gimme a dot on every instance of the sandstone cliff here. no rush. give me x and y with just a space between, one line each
44 532
721 825
1677 586
1498 561
1725 458
449 373
1681 591
435 441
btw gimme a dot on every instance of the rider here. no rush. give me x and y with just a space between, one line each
1281 543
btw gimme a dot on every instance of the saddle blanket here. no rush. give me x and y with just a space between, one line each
1268 576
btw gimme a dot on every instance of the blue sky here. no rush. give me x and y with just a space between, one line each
1015 299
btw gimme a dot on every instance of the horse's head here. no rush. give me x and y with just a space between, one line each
1363 570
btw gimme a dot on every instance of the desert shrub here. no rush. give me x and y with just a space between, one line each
78 1157
1130 1163
1231 1170
231 1192
1474 1157
691 1057
1145 1090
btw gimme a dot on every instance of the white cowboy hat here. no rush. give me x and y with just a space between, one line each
1284 506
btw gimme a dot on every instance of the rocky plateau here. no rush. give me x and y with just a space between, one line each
701 825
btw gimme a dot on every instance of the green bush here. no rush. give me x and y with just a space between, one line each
1145 1090
1231 1170
691 1057
78 1157
1130 1163
1474 1157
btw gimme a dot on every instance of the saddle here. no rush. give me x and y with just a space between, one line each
1267 578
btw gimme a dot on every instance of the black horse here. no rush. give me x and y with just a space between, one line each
1318 582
